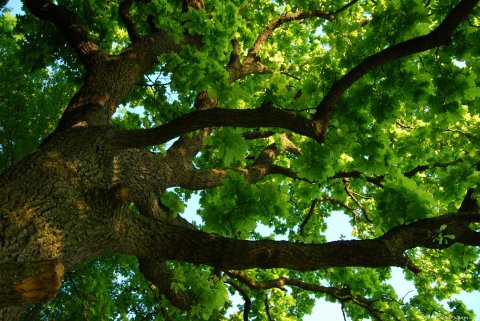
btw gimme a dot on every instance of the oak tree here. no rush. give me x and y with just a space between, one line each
278 114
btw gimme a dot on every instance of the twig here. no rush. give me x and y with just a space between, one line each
346 184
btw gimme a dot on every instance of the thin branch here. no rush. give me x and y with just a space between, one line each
422 168
470 136
290 75
267 309
401 124
334 201
345 7
438 37
376 180
276 23
124 13
343 313
252 64
379 179
244 294
341 294
346 184
309 215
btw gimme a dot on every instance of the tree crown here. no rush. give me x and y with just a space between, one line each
280 114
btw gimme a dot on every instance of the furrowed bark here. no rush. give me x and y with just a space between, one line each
22 283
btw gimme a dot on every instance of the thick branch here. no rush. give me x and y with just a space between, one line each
469 203
263 165
146 236
199 119
206 179
438 37
187 146
257 134
72 28
29 282
108 79
160 275
124 13
108 82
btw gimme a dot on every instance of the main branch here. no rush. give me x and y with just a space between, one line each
146 236
199 119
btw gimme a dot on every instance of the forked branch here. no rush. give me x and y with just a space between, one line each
344 294
288 17
264 165
72 28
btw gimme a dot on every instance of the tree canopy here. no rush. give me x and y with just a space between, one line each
279 115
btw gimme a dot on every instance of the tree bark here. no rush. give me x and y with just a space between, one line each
69 200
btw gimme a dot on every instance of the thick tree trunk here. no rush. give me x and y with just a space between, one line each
55 205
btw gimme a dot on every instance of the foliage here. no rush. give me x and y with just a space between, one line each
408 133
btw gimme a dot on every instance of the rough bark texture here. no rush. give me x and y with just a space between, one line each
68 200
